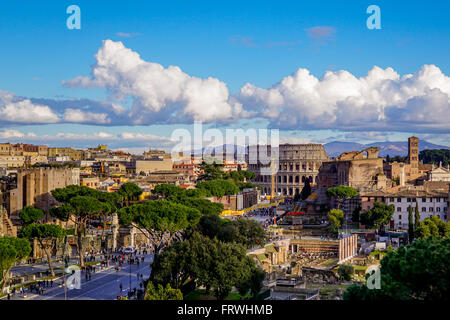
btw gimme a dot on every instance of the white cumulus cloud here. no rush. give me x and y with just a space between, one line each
157 91
18 110
380 100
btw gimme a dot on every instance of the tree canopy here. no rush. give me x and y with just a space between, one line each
306 191
192 198
336 218
44 234
418 271
158 292
432 227
129 191
30 214
341 193
160 218
435 156
377 216
12 250
242 231
218 188
209 262
81 204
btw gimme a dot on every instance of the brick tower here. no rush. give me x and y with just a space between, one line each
413 155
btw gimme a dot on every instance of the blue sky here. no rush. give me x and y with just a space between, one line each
236 42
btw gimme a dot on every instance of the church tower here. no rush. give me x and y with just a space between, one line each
413 155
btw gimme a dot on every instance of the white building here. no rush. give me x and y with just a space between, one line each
430 203
439 174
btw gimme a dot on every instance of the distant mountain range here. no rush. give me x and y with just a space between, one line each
392 149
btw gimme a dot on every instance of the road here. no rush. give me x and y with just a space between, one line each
104 284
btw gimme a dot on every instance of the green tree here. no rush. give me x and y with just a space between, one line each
211 171
432 227
219 265
341 193
336 218
191 198
416 217
129 191
377 216
213 226
306 191
410 224
166 190
249 175
218 188
253 282
45 234
159 292
12 250
78 209
248 232
31 214
346 271
418 271
435 156
161 219
80 204
356 213
242 231
173 265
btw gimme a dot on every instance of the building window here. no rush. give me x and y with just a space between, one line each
399 199
399 209
438 209
408 200
399 217
438 199
424 209
391 199
424 199
413 199
431 209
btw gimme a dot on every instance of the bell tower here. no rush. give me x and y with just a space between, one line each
413 155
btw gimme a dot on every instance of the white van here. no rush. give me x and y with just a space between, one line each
129 250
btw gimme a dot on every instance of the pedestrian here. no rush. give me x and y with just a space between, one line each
121 287
51 283
9 296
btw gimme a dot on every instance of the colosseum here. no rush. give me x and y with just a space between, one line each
296 163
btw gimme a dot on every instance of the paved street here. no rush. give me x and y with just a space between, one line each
104 284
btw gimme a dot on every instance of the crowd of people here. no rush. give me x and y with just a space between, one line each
38 287
104 260
265 215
